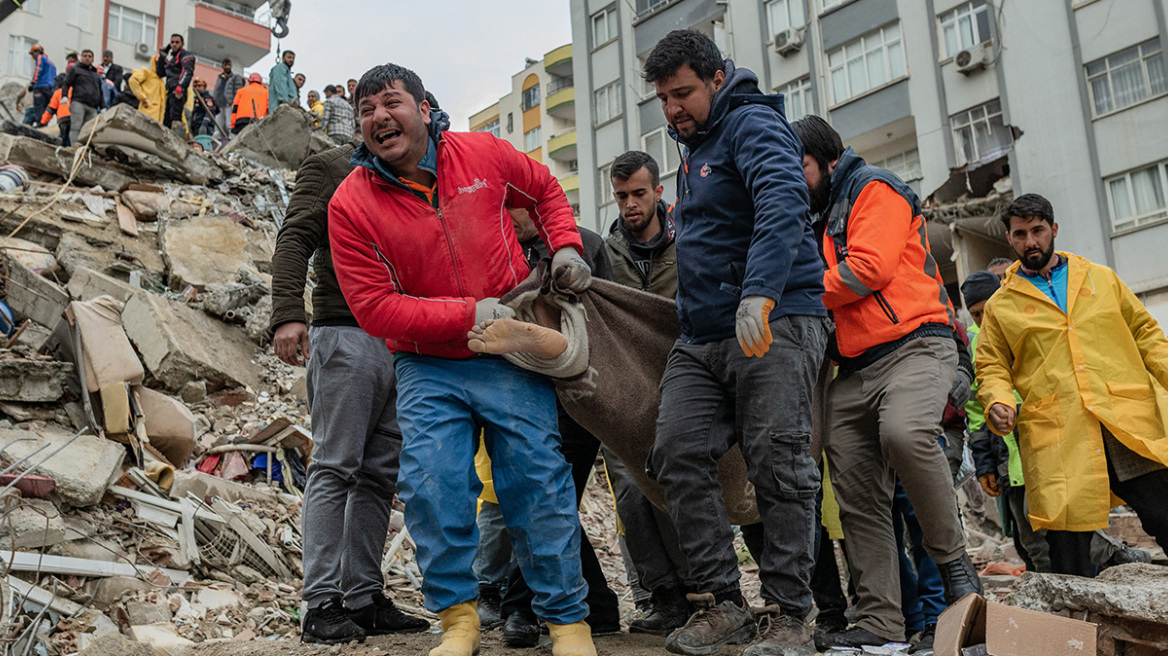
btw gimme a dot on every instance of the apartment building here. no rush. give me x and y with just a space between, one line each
970 101
538 117
135 30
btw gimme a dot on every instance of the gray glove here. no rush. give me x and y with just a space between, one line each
490 308
752 325
961 391
580 276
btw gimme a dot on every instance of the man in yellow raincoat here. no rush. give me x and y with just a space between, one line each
150 91
1091 365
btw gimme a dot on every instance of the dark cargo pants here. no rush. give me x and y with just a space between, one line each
712 396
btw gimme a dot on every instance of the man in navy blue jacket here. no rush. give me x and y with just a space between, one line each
754 331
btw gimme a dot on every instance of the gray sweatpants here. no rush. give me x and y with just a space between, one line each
353 476
81 114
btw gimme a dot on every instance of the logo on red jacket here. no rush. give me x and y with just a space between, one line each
479 183
705 170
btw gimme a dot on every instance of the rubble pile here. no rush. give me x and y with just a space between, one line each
152 455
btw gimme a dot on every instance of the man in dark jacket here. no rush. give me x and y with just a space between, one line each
113 72
351 395
521 627
83 87
226 85
642 248
753 336
177 67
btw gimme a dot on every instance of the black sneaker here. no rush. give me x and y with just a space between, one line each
781 635
521 630
382 617
853 637
1126 555
490 607
329 624
712 627
669 612
925 644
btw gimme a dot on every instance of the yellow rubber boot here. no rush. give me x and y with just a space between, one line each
460 630
571 639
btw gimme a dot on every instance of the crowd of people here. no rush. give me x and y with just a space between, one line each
168 91
816 335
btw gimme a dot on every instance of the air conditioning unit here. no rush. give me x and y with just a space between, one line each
970 60
789 41
143 51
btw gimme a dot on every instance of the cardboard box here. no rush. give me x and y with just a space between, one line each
1010 631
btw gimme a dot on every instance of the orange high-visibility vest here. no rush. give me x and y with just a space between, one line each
250 102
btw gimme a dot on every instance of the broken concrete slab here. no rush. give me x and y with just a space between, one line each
260 246
162 637
46 158
204 250
35 523
11 94
34 296
82 472
109 356
180 345
34 381
112 589
281 140
30 254
21 130
126 135
217 599
111 253
1137 591
86 284
169 425
115 644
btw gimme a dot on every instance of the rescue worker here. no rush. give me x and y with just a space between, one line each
423 258
150 90
251 103
41 83
897 348
1091 366
177 67
61 110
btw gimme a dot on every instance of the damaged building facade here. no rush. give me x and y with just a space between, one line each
969 101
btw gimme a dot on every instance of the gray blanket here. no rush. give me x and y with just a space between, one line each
628 336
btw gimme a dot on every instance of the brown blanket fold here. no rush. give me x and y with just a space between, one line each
629 334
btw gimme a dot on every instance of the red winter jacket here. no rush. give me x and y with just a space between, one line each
411 272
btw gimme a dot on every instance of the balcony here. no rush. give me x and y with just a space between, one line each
221 31
570 183
559 61
562 147
561 99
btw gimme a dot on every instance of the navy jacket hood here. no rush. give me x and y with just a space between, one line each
739 88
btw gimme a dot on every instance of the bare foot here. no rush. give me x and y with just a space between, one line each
501 336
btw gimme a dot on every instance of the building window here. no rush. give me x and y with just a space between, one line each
663 149
20 62
531 97
490 126
980 134
532 140
1137 198
828 4
608 102
785 15
131 26
646 6
866 63
32 6
1127 77
797 99
510 122
965 27
603 26
604 185
906 165
77 14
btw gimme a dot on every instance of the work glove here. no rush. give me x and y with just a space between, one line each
989 484
580 276
178 92
961 391
752 325
489 309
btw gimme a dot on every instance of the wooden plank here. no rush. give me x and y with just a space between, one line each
126 219
24 561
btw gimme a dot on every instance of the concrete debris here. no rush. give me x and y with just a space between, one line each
32 295
163 637
33 380
204 250
180 345
282 140
1137 591
169 425
30 254
228 300
86 284
10 96
82 472
33 524
21 130
53 160
126 135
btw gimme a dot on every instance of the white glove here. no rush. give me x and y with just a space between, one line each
752 325
490 308
580 275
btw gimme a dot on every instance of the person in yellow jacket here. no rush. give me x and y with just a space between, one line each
150 90
1091 366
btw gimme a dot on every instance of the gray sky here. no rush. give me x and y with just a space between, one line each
464 50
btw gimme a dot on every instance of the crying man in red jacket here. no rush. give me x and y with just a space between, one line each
423 247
